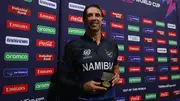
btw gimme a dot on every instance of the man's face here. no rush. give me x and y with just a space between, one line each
94 19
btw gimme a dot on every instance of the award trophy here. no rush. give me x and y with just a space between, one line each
106 79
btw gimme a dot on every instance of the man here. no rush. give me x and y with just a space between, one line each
86 59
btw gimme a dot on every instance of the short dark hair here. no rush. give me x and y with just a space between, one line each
92 5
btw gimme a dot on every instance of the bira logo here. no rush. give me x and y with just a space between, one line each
11 89
44 57
135 98
45 43
171 8
74 18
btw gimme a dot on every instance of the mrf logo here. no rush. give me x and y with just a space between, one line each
171 8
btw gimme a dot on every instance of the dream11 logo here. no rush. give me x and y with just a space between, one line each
171 8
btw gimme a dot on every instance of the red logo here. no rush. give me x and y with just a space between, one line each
147 21
46 16
116 25
134 48
135 98
163 78
44 57
44 71
75 18
173 34
159 32
148 40
121 81
160 41
175 68
117 15
173 51
18 25
45 43
19 10
174 59
11 89
149 69
176 92
134 69
104 12
149 59
164 94
120 58
104 34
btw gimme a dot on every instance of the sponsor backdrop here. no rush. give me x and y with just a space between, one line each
146 34
29 44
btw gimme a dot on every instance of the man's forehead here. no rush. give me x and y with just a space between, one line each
93 10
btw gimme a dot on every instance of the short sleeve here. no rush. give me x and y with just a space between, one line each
116 54
68 54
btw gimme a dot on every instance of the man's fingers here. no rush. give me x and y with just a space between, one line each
96 83
99 88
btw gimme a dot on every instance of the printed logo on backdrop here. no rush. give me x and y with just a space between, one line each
45 57
45 43
47 16
149 79
133 18
75 6
34 99
44 71
19 10
18 25
15 72
11 40
12 89
117 36
47 3
147 3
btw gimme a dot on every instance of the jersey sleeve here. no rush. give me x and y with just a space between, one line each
67 58
116 54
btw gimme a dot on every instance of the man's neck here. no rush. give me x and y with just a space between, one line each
96 36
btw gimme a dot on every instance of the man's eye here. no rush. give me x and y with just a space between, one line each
89 15
98 15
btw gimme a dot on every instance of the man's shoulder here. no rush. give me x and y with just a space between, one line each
75 42
110 42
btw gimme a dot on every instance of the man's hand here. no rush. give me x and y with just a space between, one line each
93 86
115 78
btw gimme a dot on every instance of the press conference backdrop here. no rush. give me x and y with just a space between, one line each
147 38
29 41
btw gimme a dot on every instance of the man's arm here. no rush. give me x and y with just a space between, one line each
116 67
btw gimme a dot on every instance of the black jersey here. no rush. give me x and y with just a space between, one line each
89 60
